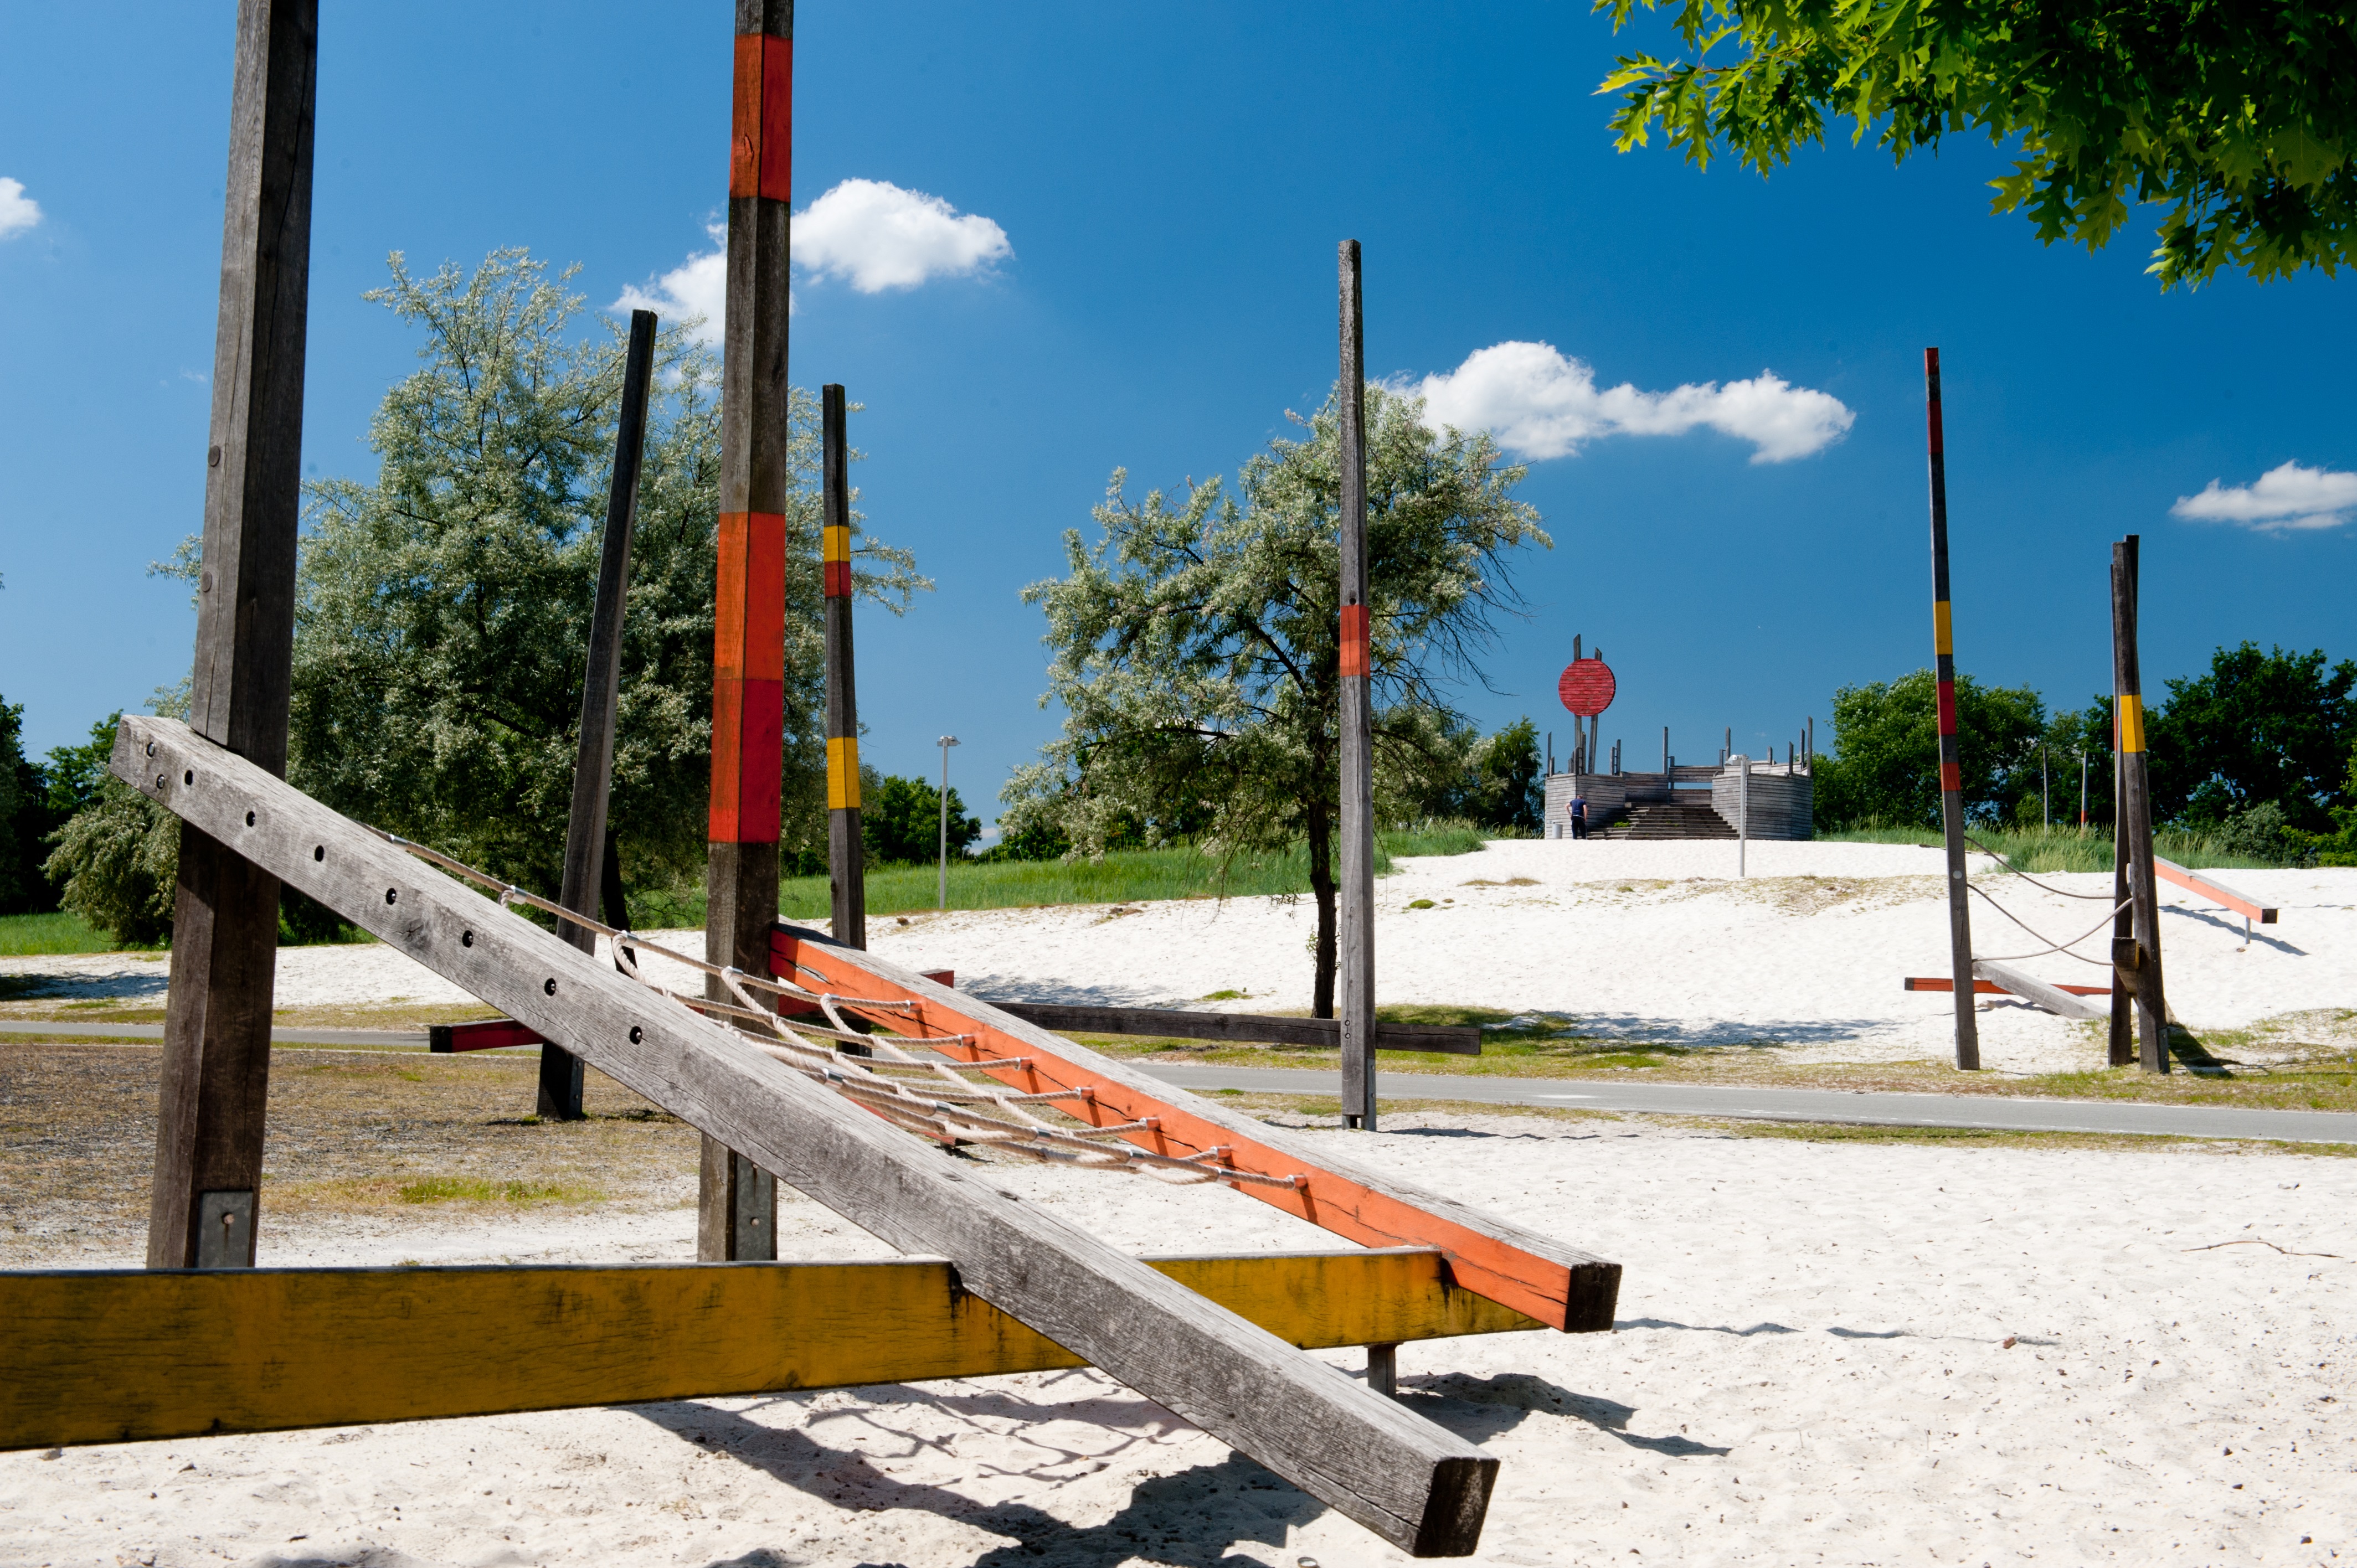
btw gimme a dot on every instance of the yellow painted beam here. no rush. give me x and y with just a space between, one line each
118 1356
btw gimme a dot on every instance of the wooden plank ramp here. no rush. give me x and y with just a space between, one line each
135 1354
1415 1485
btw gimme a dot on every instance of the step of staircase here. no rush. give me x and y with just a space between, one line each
1678 820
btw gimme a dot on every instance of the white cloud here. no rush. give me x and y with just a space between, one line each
2286 497
695 289
877 236
869 232
19 211
1541 403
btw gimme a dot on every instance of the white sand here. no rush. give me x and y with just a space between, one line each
1652 942
1809 1369
1809 1366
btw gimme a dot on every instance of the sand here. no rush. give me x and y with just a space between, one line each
1811 1363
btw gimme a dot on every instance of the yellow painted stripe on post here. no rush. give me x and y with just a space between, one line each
835 544
1943 630
130 1354
2131 724
842 774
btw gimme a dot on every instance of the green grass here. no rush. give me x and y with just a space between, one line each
1121 877
2065 849
473 1189
26 935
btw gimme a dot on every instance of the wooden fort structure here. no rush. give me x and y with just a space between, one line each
1688 801
202 1341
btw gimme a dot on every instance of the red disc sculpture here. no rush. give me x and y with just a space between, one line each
1587 687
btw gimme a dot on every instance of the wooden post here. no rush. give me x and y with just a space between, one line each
846 853
2134 829
1356 983
587 845
216 1068
736 1209
2120 1047
1952 778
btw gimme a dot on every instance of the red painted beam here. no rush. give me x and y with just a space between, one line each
1991 988
2249 908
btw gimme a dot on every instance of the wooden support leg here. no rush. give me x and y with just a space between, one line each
1383 1369
216 1069
736 1203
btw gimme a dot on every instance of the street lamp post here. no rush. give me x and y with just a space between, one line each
947 741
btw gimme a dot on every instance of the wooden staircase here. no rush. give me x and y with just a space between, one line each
1688 817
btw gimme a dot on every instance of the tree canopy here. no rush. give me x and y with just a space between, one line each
1885 769
901 822
1195 648
2240 118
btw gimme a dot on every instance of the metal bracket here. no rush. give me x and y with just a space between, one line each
225 1230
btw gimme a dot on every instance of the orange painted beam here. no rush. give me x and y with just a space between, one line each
1991 988
1559 1285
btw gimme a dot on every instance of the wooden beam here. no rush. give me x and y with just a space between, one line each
736 1199
1180 1024
846 850
1354 958
1990 987
586 838
204 1203
1559 1285
2242 904
1952 799
123 1356
1418 1487
2063 1004
496 1034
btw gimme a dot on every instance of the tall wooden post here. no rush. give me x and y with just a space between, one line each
1951 777
1356 961
586 850
847 855
2141 954
216 1068
737 1201
2120 1042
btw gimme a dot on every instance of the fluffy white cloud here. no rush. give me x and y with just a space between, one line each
876 236
2285 497
697 289
19 211
1541 403
869 232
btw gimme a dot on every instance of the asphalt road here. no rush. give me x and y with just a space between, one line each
2001 1112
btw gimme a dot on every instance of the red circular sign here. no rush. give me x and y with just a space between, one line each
1587 687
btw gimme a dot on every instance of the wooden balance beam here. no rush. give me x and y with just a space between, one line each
2248 907
133 1354
1995 979
1421 1487
1251 1028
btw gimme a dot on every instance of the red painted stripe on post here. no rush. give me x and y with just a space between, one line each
749 656
1947 707
838 579
1354 639
1951 779
1932 404
761 118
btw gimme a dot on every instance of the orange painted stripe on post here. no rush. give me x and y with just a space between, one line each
749 658
1951 779
834 555
1502 1272
1354 639
761 118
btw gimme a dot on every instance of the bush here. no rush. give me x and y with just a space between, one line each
116 863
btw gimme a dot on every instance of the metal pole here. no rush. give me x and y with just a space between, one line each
1952 780
1742 813
736 1199
947 741
2142 953
1357 958
592 766
846 848
205 1199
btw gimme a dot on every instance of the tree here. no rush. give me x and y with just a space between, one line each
2259 729
443 623
118 855
2242 119
901 822
25 820
1886 767
1196 651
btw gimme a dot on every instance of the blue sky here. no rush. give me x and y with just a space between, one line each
1170 184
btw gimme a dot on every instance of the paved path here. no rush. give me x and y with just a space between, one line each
2003 1112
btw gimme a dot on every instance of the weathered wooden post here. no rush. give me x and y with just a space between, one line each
846 853
589 868
1951 777
216 1066
2131 833
737 1201
1356 963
